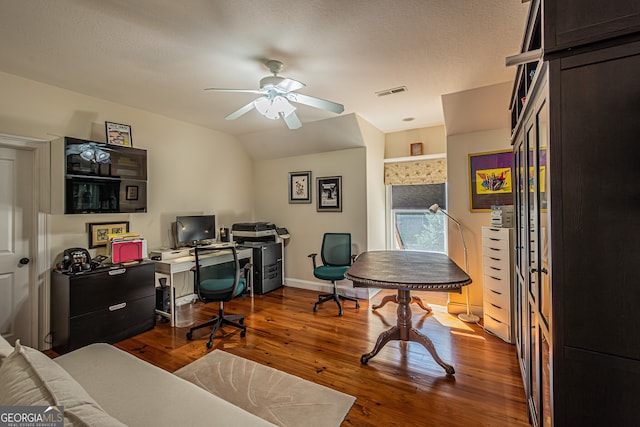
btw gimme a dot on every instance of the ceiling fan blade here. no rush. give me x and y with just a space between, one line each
289 85
240 111
258 91
316 102
292 121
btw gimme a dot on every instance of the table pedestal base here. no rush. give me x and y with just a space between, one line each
405 332
394 298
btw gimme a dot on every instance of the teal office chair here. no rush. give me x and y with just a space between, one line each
336 260
220 282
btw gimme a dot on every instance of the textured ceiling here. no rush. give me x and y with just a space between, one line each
159 55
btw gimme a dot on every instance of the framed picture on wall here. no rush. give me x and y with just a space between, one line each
118 134
416 149
99 232
300 187
329 194
490 180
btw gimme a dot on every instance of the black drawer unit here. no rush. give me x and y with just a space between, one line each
105 305
267 266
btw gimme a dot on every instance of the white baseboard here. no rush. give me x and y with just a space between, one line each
345 287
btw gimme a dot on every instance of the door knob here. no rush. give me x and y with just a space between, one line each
24 261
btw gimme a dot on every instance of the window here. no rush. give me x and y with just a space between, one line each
411 226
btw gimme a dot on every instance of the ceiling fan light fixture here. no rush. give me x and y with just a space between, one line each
282 105
262 105
272 108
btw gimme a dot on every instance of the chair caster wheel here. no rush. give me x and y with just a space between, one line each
357 305
340 313
315 308
243 334
241 321
364 359
209 345
189 336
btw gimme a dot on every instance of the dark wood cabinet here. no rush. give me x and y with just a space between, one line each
572 23
105 305
578 215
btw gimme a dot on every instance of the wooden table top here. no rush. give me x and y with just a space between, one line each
427 271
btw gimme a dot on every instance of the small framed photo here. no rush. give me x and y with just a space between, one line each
118 134
416 149
132 192
300 187
99 232
329 194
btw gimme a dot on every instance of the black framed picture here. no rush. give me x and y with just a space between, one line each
300 187
132 192
329 190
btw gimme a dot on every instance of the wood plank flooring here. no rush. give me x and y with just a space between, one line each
401 386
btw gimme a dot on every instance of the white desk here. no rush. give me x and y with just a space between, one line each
184 264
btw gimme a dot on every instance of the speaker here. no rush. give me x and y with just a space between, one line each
163 302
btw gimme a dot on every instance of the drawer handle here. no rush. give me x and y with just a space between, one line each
118 306
493 318
495 278
116 272
495 292
495 268
495 259
495 249
494 239
496 306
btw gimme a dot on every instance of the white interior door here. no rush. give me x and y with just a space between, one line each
18 299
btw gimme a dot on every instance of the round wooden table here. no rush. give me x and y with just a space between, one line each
407 271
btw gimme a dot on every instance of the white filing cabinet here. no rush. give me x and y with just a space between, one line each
497 279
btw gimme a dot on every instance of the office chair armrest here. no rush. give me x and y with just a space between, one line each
313 259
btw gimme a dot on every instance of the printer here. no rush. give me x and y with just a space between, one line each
267 242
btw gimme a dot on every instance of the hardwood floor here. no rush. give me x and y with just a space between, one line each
401 386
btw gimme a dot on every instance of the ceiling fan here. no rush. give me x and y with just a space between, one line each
276 93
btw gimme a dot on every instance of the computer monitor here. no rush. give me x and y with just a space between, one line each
195 229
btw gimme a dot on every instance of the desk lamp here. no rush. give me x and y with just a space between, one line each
468 316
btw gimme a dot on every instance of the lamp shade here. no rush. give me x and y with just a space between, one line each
271 108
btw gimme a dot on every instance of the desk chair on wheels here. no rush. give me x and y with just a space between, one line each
222 283
336 260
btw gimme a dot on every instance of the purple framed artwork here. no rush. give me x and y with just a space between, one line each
490 180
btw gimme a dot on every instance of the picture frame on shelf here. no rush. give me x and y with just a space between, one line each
99 232
118 134
490 180
131 192
329 190
416 149
300 187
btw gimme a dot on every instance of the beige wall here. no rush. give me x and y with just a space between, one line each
458 149
304 223
191 169
434 141
375 141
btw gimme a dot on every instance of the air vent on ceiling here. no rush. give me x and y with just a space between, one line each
398 89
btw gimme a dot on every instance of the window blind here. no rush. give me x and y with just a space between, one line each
418 196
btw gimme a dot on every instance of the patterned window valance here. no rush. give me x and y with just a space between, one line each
418 172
